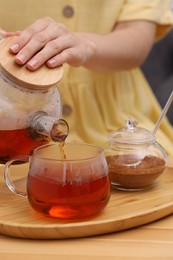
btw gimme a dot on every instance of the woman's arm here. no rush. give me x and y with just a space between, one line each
124 48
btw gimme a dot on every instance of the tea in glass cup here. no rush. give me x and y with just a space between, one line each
69 181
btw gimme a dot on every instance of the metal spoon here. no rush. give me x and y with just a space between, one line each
164 111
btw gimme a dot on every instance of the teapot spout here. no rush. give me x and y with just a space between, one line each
45 127
60 130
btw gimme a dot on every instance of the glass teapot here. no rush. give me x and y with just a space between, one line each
135 159
30 106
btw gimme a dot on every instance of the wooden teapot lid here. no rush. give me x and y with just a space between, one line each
42 78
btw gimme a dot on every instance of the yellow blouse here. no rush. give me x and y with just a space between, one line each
97 104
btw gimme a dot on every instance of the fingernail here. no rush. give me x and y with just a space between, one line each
32 64
14 47
20 58
52 62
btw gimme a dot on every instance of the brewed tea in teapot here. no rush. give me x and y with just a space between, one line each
30 106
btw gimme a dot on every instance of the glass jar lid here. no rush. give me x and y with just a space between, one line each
132 134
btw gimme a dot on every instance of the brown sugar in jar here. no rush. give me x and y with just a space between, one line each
135 158
128 174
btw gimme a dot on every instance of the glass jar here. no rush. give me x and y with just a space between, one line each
135 159
30 106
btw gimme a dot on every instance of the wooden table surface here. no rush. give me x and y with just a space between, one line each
152 241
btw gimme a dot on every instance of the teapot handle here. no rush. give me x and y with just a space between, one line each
7 176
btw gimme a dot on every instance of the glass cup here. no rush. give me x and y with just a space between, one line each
69 181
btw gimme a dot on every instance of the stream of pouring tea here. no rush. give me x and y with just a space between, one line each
59 134
62 152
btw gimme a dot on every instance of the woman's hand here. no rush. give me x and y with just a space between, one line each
47 41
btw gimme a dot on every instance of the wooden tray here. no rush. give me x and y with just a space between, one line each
125 210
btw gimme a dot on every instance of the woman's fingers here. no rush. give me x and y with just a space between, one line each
49 51
40 42
28 34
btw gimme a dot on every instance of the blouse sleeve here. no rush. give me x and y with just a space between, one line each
157 11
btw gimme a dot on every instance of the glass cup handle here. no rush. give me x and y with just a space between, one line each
7 176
